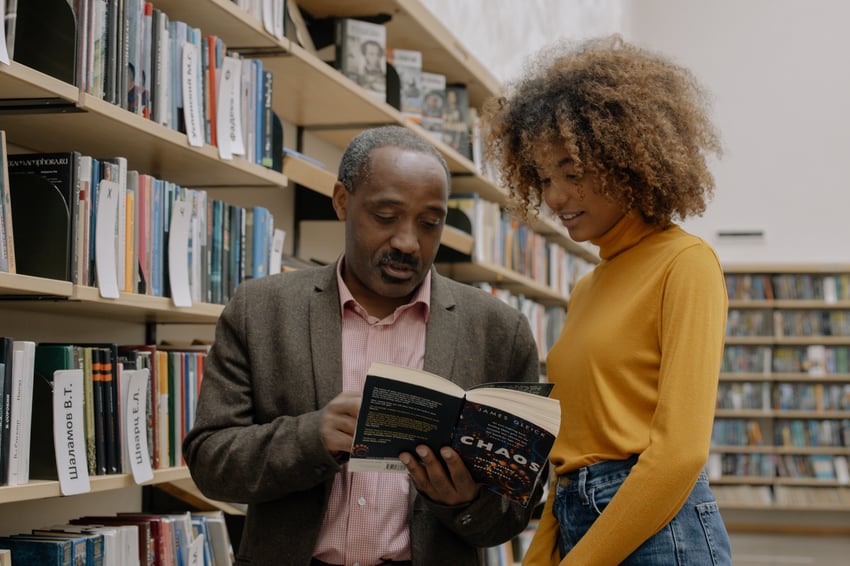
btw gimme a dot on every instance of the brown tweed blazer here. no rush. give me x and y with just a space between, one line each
276 362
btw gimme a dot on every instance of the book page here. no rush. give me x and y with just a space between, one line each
542 411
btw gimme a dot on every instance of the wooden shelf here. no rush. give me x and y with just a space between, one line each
308 174
504 278
837 450
14 285
22 86
102 129
794 377
43 489
779 414
413 26
223 18
86 302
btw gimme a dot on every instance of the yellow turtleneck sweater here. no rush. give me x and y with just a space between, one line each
636 370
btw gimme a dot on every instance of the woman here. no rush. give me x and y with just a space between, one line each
614 139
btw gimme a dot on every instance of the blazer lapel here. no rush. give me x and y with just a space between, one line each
326 337
440 338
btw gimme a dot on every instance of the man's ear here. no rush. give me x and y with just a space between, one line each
340 200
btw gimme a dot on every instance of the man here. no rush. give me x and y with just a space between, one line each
282 382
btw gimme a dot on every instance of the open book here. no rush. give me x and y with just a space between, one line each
502 430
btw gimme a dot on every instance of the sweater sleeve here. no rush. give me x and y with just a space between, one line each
543 550
691 333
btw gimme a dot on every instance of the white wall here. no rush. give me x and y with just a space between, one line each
780 79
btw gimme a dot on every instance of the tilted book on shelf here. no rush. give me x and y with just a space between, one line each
503 431
361 54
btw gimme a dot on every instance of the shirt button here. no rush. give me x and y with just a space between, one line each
361 502
465 520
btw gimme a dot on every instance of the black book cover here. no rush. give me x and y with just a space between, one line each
6 349
45 36
44 193
48 359
503 431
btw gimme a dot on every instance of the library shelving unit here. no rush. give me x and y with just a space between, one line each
781 440
42 114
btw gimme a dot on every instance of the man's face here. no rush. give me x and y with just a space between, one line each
393 223
373 56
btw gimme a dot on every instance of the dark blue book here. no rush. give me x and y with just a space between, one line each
41 551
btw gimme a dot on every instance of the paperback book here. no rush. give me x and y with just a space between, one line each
503 431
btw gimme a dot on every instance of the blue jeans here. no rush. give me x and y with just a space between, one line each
696 536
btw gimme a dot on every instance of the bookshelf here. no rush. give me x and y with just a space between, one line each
782 429
316 104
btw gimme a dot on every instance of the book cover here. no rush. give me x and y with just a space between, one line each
6 354
45 196
93 542
7 235
433 103
502 431
456 120
362 55
44 552
408 65
23 370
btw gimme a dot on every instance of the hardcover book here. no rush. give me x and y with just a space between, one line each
45 193
456 120
361 54
503 431
433 103
408 65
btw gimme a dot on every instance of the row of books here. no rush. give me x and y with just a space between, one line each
814 360
93 222
72 411
131 54
396 76
784 396
811 396
784 322
781 495
545 321
501 240
126 539
788 433
769 466
789 286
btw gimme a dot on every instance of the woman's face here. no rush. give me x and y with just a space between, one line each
575 200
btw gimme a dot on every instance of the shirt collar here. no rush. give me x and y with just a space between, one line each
422 296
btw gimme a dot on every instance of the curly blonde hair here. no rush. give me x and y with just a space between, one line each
632 117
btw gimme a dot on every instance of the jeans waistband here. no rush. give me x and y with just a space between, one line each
597 469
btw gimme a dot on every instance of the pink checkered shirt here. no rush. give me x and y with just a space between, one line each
367 518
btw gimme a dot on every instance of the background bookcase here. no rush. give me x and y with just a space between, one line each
321 110
781 440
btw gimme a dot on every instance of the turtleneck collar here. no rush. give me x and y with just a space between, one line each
625 234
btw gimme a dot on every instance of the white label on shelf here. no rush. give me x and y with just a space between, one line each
135 425
196 551
192 95
229 112
276 251
107 218
178 254
69 435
